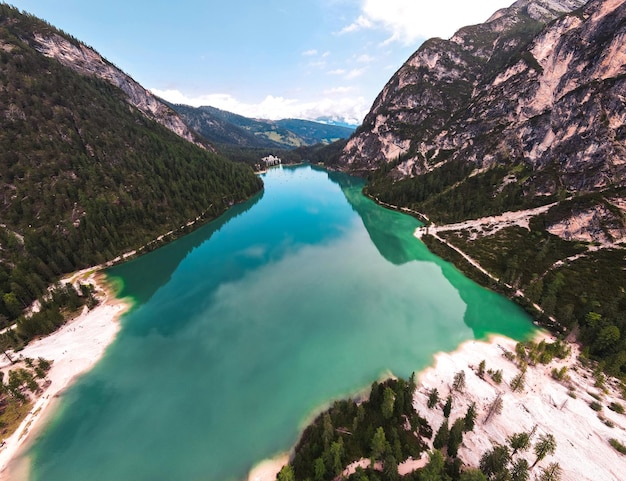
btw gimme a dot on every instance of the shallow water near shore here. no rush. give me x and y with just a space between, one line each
240 330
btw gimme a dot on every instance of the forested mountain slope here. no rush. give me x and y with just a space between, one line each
85 174
222 127
524 110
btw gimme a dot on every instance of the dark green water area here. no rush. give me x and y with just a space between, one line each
245 328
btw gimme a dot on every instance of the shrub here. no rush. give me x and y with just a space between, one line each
597 397
433 398
617 407
617 445
496 375
607 422
447 408
595 405
560 374
481 368
459 381
518 382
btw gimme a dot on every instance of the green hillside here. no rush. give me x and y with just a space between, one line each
83 175
227 128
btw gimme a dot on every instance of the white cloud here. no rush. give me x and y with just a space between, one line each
365 59
315 53
411 20
349 109
338 90
359 24
317 64
348 74
354 73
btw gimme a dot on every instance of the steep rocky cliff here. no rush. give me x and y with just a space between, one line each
417 115
530 103
87 61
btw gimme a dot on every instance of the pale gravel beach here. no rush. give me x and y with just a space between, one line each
75 348
582 451
268 469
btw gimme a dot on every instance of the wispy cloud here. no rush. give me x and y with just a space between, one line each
349 109
355 73
410 20
365 58
315 53
317 64
363 22
338 90
348 74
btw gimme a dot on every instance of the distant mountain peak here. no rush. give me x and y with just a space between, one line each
222 127
540 10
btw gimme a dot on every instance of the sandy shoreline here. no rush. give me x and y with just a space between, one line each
583 451
74 349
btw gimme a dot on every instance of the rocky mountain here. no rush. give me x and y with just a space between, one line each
226 128
530 102
91 165
86 61
436 88
525 110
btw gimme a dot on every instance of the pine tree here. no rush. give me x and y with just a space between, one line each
545 445
470 418
442 436
447 408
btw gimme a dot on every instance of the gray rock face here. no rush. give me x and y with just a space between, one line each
532 85
86 61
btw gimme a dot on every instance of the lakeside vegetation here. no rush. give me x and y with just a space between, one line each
586 295
60 303
372 439
372 429
15 392
580 289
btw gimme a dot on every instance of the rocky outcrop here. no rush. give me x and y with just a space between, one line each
86 61
601 224
413 117
540 88
549 97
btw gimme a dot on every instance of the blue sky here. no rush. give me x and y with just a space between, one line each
262 58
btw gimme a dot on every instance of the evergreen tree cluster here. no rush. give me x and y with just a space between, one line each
384 429
84 176
450 194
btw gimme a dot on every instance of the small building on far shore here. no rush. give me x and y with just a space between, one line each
271 160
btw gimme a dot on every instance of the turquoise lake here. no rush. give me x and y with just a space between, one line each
245 328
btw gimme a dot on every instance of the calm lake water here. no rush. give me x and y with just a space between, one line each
246 327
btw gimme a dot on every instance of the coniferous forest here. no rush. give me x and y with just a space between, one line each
84 176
